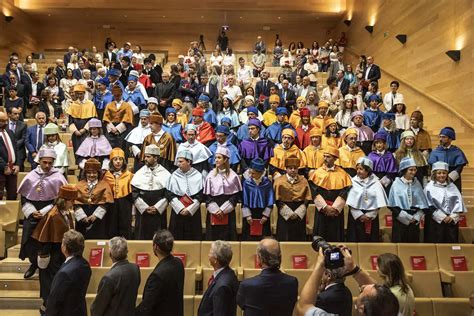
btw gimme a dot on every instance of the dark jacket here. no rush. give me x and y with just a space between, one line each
117 292
290 100
260 89
4 152
20 136
113 59
213 92
337 299
345 86
69 288
163 293
303 73
220 297
374 73
271 293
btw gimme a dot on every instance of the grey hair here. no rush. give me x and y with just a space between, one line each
73 241
269 257
222 251
118 248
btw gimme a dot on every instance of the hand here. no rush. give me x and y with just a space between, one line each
92 218
16 169
293 216
85 220
249 220
364 219
7 171
77 133
34 154
263 220
37 215
113 130
151 210
162 103
185 212
348 260
448 219
219 214
320 259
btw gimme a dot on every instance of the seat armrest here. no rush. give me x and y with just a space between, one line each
9 226
446 276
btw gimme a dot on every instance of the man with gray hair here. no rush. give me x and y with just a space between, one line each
272 292
219 298
118 288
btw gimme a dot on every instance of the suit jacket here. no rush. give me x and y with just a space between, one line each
114 56
301 72
69 288
271 293
77 74
259 89
213 92
300 90
67 58
31 141
345 86
4 152
337 299
163 293
373 73
60 73
117 292
289 100
20 137
220 297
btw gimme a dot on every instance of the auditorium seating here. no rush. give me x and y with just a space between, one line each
9 216
456 263
205 266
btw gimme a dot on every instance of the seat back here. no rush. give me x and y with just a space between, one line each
447 251
206 247
191 250
369 252
293 251
189 281
248 251
409 252
450 306
9 211
66 139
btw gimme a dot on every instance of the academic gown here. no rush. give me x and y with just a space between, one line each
201 155
167 146
291 198
373 119
329 186
277 162
243 132
181 186
393 138
205 134
273 132
303 136
234 155
407 201
454 157
257 201
250 149
314 157
385 167
348 159
78 115
365 138
122 119
135 143
175 130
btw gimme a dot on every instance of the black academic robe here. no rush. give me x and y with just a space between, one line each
404 233
222 232
291 229
119 217
358 231
147 224
440 233
79 123
96 230
185 227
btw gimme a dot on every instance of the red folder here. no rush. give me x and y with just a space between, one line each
182 257
462 221
368 227
142 260
418 262
96 257
300 262
388 220
186 200
256 229
373 261
459 263
422 223
258 265
215 220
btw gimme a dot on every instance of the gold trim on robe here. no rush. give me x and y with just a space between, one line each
297 192
295 119
348 158
121 186
320 122
102 194
336 179
53 225
314 157
280 154
115 116
331 141
167 146
82 111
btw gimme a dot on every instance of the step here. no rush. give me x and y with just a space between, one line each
15 281
21 306
14 252
14 265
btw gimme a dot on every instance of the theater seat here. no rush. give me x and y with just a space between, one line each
427 282
369 252
274 219
191 250
203 217
66 139
238 218
461 282
292 251
206 269
310 219
99 272
197 301
423 306
9 215
451 306
385 231
248 252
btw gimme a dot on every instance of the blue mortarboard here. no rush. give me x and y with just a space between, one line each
374 97
145 113
223 129
132 78
252 109
103 81
225 119
281 111
114 72
170 110
257 164
388 116
406 163
204 98
255 122
449 132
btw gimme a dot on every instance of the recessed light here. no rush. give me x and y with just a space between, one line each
125 16
240 17
164 16
279 18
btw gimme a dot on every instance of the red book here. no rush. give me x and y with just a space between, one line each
300 262
256 229
373 261
462 221
96 257
258 265
459 263
216 220
388 220
182 257
368 227
418 262
422 223
186 200
142 260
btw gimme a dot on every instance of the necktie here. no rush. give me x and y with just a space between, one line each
12 126
211 280
5 140
264 85
39 143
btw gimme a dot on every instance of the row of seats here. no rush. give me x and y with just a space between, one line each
298 259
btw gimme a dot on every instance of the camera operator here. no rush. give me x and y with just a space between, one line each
374 299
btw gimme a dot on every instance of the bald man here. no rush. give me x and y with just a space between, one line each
272 292
8 159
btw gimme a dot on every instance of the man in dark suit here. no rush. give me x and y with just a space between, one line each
60 70
18 128
207 88
372 72
163 293
13 81
298 71
272 292
219 298
263 86
342 83
69 287
8 164
126 68
67 56
35 138
288 96
110 55
151 72
77 73
118 288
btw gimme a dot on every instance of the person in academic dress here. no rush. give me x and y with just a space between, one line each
184 193
118 119
373 115
366 197
254 146
292 195
209 115
284 150
222 190
450 154
136 137
313 153
390 129
446 205
148 195
172 127
365 135
409 148
257 202
201 153
243 131
222 132
94 199
320 121
295 117
423 138
330 185
205 133
332 135
119 215
303 129
274 132
95 145
408 204
38 190
79 113
162 140
384 163
350 153
49 235
53 141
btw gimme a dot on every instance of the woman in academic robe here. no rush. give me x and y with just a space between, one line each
257 202
172 127
384 163
49 234
409 148
94 198
408 204
119 214
446 206
332 135
53 141
222 191
292 194
366 197
184 193
94 146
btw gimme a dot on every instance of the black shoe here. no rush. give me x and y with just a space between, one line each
31 271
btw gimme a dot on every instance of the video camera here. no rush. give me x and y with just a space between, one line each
333 257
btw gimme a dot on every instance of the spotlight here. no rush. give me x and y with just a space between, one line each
347 22
369 28
455 55
8 18
402 38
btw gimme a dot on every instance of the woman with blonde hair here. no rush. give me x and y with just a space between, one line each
409 148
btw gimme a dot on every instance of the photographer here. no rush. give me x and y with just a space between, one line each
373 299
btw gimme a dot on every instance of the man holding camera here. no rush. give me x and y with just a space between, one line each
374 299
